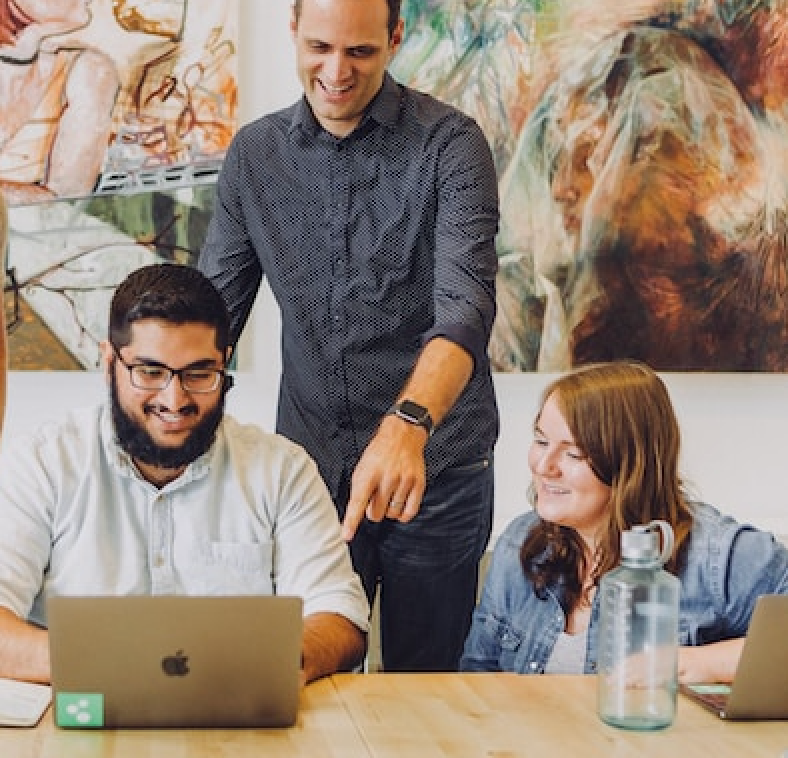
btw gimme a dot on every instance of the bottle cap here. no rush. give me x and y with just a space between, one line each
641 544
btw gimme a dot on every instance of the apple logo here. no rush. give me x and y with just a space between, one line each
175 665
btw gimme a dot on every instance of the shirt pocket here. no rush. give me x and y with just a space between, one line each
231 568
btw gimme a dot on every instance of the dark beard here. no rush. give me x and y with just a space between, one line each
134 439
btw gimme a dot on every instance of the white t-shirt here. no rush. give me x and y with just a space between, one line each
569 654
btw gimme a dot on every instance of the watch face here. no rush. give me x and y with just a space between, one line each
415 412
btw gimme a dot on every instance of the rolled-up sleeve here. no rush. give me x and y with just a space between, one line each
465 227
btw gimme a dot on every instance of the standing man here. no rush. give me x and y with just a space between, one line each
372 210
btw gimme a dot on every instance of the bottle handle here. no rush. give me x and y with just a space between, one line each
668 540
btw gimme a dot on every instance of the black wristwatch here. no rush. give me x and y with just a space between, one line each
413 413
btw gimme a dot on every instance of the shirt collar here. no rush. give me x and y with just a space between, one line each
384 109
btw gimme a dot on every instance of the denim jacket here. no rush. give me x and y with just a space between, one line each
728 566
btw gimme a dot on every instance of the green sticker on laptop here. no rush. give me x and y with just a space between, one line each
711 689
79 710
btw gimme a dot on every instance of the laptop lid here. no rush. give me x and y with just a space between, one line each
759 690
175 661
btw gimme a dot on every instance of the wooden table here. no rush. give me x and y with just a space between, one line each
507 715
324 728
425 715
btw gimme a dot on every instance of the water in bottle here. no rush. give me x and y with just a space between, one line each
638 633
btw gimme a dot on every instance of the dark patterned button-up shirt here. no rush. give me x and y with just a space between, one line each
372 244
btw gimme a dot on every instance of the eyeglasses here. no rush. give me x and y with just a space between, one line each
153 378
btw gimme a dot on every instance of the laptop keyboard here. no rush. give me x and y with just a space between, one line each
715 700
713 696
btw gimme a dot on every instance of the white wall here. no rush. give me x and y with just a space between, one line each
735 440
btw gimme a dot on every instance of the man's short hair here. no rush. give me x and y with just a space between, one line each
168 292
394 12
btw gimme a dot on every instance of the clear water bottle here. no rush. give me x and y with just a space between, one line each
638 633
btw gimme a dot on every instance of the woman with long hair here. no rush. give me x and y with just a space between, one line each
604 458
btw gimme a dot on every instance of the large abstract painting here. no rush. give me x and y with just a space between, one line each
642 149
114 119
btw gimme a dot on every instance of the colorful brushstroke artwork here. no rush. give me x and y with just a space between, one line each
103 96
114 119
67 257
642 149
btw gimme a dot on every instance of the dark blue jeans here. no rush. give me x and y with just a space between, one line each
428 569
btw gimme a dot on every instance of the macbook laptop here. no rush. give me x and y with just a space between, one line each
760 686
175 661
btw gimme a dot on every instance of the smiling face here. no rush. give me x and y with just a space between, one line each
568 492
342 50
165 430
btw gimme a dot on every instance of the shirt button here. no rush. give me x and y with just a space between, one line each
533 665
